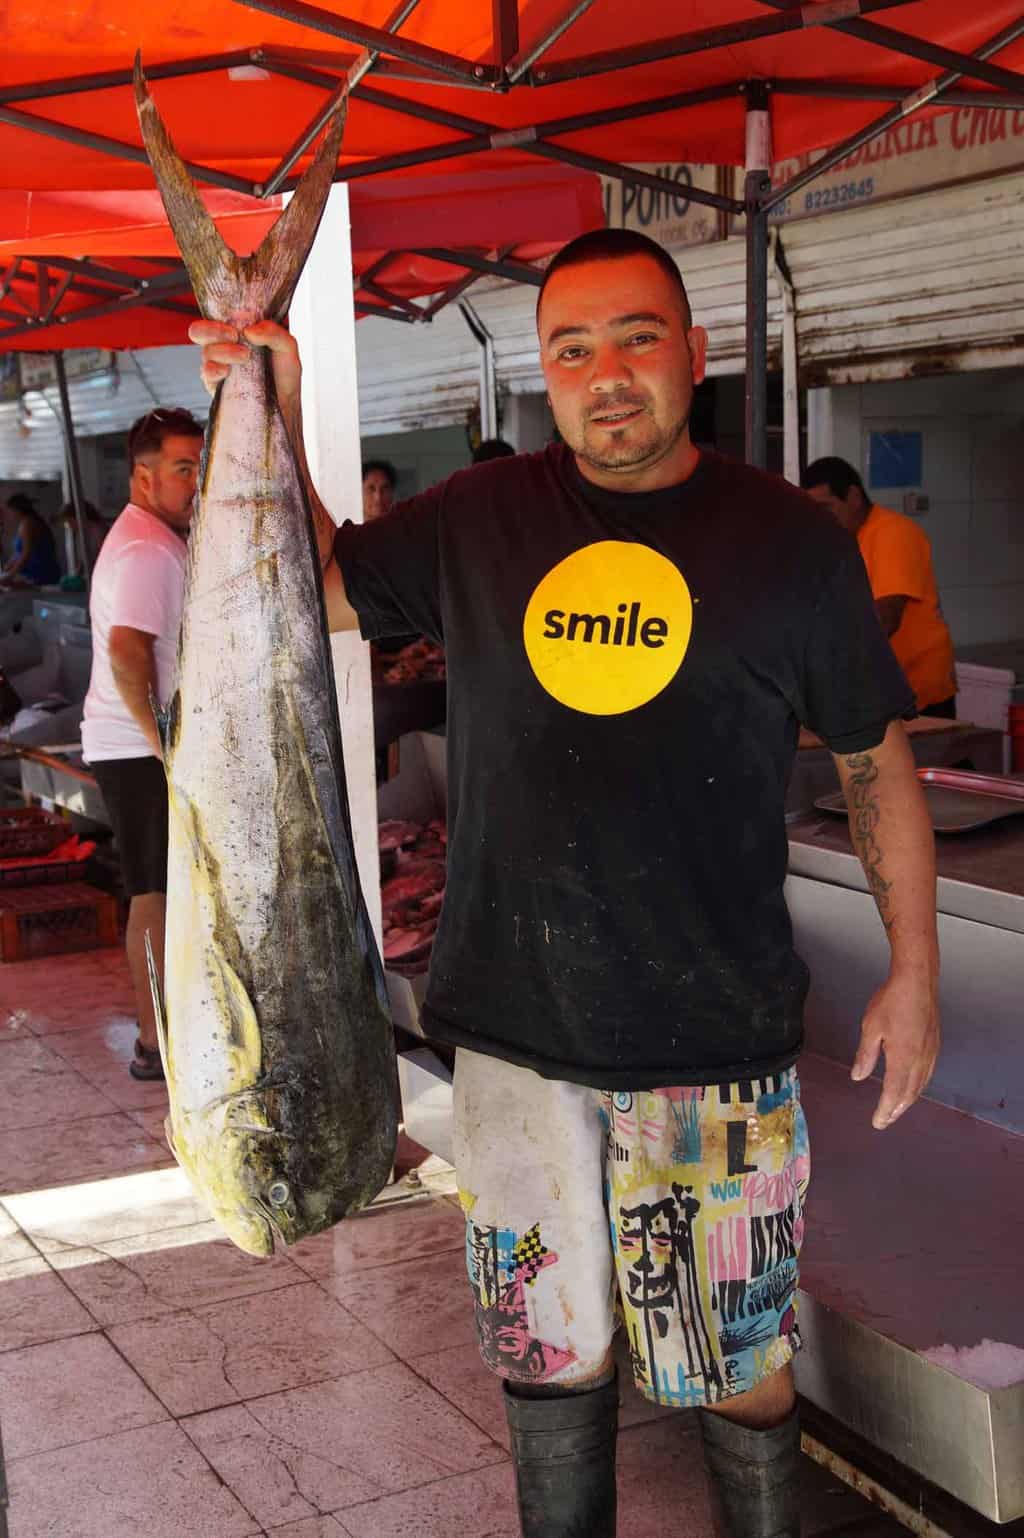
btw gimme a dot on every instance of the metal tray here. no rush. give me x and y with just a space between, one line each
959 801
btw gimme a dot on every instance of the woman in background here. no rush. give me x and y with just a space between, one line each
34 560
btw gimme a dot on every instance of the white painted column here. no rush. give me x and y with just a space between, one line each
323 323
526 422
820 433
834 424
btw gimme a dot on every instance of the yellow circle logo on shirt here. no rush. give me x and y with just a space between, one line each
608 627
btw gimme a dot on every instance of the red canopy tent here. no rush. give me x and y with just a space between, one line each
102 269
131 290
454 75
487 85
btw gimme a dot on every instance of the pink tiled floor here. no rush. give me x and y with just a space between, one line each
153 1379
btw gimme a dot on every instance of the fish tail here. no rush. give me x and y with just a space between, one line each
222 280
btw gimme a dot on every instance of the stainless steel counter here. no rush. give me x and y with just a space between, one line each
981 875
981 936
915 1236
914 1239
939 744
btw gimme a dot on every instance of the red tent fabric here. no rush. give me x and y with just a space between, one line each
535 211
102 224
240 121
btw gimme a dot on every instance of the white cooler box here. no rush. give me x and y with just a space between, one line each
983 697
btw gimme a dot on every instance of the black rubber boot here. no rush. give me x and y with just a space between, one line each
564 1451
754 1477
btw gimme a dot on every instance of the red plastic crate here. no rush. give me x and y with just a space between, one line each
44 873
53 920
30 830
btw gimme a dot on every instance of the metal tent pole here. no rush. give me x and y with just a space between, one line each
756 185
71 454
925 94
974 66
488 371
751 29
790 362
516 272
363 64
351 29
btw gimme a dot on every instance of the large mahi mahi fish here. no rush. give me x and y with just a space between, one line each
277 1046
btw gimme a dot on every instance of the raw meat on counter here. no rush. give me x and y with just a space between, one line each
412 891
420 662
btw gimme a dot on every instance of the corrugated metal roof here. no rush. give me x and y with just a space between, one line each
916 285
416 376
31 443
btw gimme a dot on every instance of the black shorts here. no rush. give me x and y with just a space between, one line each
135 793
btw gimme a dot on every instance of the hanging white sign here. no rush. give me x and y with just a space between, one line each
38 370
670 217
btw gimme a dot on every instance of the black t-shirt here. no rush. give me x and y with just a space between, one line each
626 678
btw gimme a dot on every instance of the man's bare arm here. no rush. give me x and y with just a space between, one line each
134 668
890 611
340 613
221 350
892 835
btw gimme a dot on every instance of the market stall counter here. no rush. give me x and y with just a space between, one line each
915 1236
933 742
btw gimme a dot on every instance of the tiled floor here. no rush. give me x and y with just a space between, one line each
154 1379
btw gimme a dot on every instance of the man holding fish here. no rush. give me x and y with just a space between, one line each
634 630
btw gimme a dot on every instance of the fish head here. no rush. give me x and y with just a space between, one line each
238 1163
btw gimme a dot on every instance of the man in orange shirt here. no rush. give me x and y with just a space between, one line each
898 558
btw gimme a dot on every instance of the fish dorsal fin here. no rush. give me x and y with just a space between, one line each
238 1016
158 1004
166 718
225 283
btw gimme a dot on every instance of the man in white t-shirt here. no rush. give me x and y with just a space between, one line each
135 605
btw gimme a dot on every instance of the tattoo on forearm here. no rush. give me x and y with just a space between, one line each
862 800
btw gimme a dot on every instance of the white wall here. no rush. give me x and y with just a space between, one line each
526 422
972 428
421 458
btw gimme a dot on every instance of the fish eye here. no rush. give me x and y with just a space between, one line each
278 1193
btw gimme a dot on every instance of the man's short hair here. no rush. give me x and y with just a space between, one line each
613 246
836 474
147 434
386 469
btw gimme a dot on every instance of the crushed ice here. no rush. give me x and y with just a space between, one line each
991 1364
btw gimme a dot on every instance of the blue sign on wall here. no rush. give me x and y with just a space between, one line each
895 459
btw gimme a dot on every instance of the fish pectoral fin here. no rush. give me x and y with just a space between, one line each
257 1087
158 1003
243 1026
165 717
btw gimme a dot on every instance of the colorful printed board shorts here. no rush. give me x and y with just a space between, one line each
679 1211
